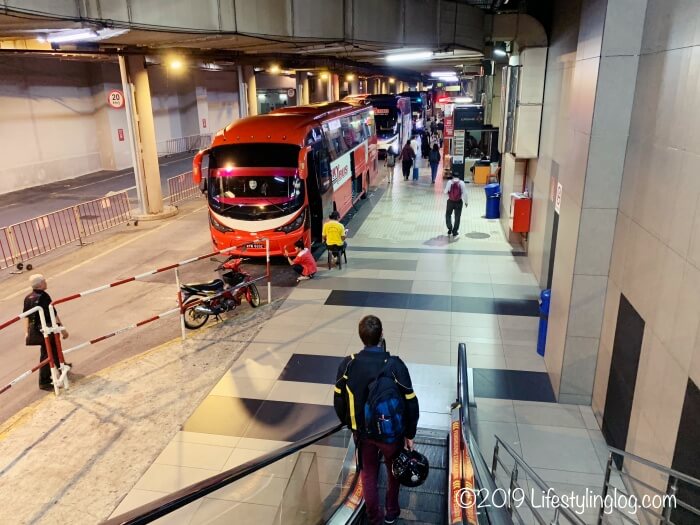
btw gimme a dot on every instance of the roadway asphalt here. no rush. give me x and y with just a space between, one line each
39 200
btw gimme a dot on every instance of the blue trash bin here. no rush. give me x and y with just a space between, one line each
493 200
545 298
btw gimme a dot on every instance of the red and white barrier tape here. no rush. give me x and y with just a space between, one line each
121 330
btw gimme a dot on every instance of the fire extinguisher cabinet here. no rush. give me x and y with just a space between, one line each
520 209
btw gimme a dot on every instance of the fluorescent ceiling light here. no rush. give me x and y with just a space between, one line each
463 100
71 36
438 74
499 52
406 57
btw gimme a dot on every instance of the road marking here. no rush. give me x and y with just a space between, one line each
107 252
111 193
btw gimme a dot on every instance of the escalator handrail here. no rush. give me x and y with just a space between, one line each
171 502
497 514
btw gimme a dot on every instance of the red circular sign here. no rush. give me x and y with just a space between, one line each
115 99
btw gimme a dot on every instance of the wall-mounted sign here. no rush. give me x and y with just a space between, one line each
557 202
291 93
120 134
458 143
115 99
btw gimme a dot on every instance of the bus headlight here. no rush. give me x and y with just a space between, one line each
218 226
294 225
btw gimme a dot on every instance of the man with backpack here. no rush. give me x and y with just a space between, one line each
456 192
375 399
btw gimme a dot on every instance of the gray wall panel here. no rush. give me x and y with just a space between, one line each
318 18
176 13
266 17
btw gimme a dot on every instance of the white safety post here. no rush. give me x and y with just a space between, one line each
55 330
183 333
267 263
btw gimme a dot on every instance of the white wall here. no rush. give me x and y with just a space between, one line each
48 124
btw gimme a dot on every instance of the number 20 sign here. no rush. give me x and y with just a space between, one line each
115 99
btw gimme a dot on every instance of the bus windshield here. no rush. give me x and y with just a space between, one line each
255 181
386 122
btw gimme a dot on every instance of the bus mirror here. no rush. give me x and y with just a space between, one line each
197 166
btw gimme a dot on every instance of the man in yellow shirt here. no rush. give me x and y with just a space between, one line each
334 233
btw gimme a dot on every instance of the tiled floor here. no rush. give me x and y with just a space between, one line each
431 292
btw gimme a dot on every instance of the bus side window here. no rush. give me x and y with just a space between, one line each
324 168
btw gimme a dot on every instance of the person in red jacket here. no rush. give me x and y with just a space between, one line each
304 263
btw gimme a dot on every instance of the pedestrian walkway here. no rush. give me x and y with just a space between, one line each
431 292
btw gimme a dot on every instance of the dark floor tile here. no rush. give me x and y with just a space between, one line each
430 302
284 421
513 384
530 386
512 253
346 298
307 368
383 264
521 307
386 300
491 383
227 416
474 305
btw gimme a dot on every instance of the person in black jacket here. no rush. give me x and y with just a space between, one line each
39 297
355 374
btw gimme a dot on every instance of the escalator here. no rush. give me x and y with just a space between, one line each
315 481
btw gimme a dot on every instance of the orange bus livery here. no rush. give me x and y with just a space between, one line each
278 175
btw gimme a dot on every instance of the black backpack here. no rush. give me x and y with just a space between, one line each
384 408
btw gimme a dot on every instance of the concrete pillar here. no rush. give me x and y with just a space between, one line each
138 76
384 86
251 90
335 87
302 86
242 105
354 85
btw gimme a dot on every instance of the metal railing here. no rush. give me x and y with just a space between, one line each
515 489
656 504
28 239
182 187
183 144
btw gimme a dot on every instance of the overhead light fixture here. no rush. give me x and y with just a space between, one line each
274 69
438 74
309 74
350 77
407 57
175 63
463 100
324 76
62 37
392 80
499 49
261 96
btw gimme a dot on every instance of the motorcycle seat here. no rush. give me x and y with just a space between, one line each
212 286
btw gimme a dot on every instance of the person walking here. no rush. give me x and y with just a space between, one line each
456 192
434 160
366 383
390 163
424 145
407 157
33 336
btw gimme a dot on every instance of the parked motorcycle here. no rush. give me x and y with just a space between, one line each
220 295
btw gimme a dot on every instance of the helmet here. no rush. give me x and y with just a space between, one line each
410 467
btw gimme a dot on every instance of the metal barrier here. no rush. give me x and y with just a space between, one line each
183 144
6 259
39 235
54 322
182 187
48 333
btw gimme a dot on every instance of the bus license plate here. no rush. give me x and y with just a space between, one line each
256 246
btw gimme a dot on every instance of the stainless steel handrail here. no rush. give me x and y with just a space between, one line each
496 514
671 472
520 463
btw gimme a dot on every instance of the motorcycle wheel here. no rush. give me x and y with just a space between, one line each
253 296
194 319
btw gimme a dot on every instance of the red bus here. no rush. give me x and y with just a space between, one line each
279 175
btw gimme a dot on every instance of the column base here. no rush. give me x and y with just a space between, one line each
168 211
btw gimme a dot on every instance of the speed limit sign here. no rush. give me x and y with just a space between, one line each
115 99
